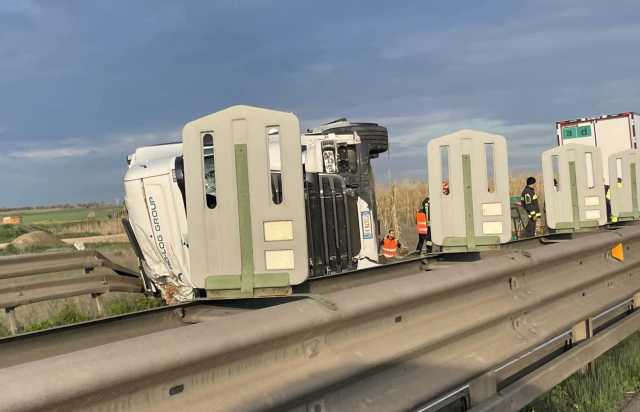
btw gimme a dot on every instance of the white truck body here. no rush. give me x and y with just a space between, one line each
610 133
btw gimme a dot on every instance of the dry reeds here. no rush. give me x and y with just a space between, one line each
398 202
397 205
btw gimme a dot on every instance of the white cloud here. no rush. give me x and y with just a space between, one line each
77 147
127 143
539 35
410 134
48 154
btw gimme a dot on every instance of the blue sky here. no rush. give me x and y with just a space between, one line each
82 83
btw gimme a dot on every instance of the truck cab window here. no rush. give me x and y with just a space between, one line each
275 165
208 158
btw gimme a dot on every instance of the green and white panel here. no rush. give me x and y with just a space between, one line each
475 213
578 133
574 187
624 180
249 237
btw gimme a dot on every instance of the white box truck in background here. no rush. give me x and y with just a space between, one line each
611 133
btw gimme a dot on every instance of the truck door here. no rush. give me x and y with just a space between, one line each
469 176
573 188
245 202
624 181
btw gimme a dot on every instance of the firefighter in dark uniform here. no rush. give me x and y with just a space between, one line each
529 200
607 196
607 201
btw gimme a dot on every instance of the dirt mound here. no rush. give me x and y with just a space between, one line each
37 240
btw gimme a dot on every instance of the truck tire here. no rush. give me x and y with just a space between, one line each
376 136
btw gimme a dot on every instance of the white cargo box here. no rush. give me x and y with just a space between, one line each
611 133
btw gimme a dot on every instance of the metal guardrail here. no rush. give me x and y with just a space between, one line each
390 346
14 296
36 264
14 293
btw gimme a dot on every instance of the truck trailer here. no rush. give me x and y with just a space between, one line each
611 133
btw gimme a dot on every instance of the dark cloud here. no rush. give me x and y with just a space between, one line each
78 77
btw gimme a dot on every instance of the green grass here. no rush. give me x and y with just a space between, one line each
108 246
77 234
70 313
603 388
67 215
121 306
11 250
10 232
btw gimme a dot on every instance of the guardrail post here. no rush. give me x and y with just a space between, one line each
13 322
98 302
482 388
579 332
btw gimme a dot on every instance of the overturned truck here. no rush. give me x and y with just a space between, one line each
245 206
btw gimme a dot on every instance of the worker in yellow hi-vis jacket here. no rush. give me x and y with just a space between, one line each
529 200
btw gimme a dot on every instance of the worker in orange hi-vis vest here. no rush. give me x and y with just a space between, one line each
422 227
390 245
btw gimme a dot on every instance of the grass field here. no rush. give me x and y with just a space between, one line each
65 222
66 215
